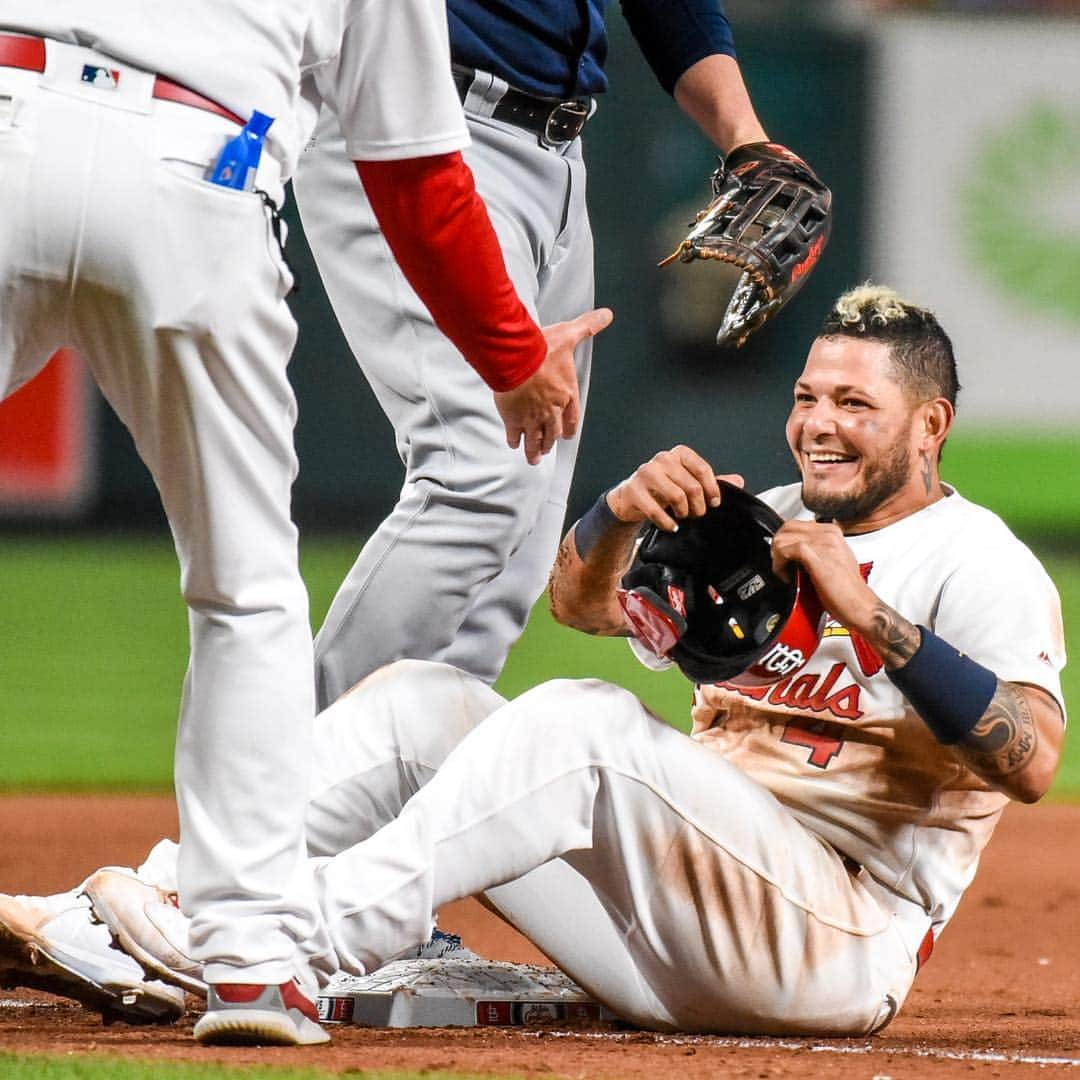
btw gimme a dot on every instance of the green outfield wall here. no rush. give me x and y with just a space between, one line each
823 88
658 379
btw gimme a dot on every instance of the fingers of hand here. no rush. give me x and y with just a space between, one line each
552 431
817 533
781 561
568 335
680 481
656 512
571 417
555 387
632 500
542 435
703 474
534 447
816 546
533 452
662 500
598 319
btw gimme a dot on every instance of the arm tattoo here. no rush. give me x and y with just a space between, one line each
1005 739
927 473
557 576
893 636
581 592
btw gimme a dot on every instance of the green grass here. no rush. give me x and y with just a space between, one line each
1029 479
93 644
1066 574
74 1067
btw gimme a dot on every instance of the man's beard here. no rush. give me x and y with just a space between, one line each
881 482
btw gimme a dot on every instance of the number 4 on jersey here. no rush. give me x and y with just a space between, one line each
820 739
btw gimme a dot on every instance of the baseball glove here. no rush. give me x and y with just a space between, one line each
707 598
770 217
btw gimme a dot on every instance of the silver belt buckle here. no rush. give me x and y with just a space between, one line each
564 123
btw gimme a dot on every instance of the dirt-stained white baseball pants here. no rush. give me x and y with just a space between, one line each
452 573
174 290
671 886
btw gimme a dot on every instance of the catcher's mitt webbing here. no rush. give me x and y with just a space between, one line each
770 216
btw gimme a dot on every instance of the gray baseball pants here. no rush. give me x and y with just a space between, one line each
452 573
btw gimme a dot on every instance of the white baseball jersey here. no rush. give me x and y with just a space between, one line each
839 745
385 66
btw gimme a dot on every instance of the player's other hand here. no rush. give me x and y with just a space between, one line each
821 550
676 483
547 405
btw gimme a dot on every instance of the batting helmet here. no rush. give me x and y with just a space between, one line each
707 596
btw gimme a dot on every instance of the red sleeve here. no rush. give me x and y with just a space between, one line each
440 233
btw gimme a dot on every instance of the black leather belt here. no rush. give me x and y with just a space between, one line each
554 120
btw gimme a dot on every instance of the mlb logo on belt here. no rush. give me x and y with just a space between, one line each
101 77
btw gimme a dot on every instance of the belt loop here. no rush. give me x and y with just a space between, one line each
485 93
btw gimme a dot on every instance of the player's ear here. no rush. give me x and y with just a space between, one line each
934 420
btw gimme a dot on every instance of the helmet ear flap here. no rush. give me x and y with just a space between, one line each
654 603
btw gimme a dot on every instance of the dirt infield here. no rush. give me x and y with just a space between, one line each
1001 996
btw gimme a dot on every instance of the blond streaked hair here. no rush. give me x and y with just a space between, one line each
920 350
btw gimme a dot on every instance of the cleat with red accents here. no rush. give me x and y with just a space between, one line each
246 1014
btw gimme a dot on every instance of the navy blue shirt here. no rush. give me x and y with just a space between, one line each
557 48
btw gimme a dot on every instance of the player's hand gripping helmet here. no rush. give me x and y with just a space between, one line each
707 598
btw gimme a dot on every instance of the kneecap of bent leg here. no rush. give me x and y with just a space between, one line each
382 741
419 696
588 712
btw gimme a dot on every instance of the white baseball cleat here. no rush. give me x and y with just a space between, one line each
53 943
240 1014
147 924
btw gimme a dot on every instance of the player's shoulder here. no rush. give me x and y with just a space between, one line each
964 518
982 541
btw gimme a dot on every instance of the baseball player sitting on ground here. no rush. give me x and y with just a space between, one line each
139 224
784 870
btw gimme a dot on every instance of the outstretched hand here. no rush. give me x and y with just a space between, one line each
547 405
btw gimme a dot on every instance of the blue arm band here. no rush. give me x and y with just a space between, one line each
674 35
949 690
596 521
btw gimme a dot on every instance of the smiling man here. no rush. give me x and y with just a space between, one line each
952 625
872 410
878 392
